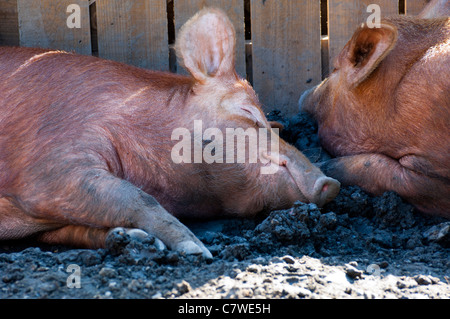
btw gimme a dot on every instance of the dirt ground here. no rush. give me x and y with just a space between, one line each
358 246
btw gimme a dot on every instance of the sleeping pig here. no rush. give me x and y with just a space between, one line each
384 112
88 145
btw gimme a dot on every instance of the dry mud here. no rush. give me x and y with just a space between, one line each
358 246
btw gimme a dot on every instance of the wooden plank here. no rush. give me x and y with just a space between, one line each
185 9
43 23
133 32
286 51
345 16
325 56
414 7
9 24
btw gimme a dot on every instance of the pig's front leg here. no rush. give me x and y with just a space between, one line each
97 199
377 173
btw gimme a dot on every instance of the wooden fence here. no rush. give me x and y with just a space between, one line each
283 46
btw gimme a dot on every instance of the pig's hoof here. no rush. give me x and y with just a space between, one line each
120 236
141 235
136 233
191 248
159 244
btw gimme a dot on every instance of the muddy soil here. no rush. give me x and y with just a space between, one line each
358 246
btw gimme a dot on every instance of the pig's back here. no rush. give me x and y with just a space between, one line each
50 85
54 101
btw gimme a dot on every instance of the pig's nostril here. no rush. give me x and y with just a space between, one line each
324 188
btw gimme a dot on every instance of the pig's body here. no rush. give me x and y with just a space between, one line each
58 116
85 145
100 111
385 112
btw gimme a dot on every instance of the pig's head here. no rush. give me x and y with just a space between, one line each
349 90
281 174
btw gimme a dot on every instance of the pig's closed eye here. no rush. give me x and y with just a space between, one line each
246 110
252 117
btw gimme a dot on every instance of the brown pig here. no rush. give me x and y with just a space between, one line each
87 145
384 112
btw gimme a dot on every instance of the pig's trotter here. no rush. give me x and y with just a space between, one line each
189 247
333 168
138 234
134 233
377 173
373 172
172 232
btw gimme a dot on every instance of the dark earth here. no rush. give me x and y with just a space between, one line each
357 246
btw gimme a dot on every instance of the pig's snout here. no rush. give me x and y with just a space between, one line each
310 183
325 189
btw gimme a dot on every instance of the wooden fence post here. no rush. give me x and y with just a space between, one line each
286 51
9 23
133 32
43 23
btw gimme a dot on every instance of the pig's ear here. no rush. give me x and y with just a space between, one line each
364 52
206 45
